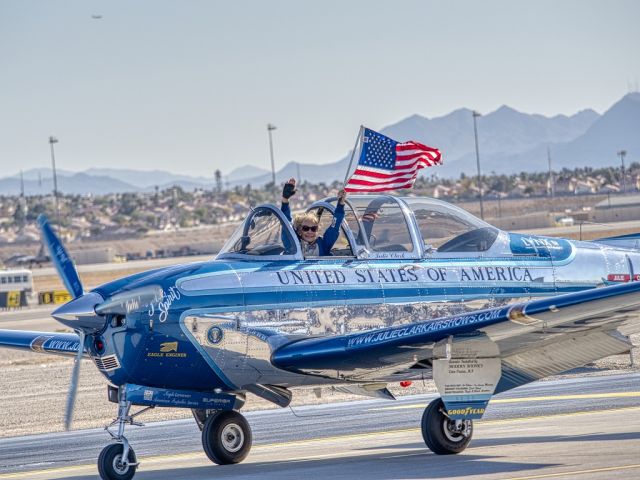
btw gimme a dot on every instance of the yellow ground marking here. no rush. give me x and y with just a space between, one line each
577 472
578 396
159 459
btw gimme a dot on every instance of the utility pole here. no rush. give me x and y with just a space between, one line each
22 203
552 185
475 132
53 140
622 154
270 128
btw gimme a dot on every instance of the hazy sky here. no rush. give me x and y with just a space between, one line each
189 86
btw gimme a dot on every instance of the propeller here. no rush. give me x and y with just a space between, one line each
79 313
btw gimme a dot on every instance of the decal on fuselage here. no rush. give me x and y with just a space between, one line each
167 350
558 249
163 304
415 275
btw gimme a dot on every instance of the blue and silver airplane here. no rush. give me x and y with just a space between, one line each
415 289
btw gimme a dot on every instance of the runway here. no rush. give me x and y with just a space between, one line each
587 428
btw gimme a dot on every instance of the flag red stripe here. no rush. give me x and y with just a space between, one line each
357 181
374 174
429 155
378 189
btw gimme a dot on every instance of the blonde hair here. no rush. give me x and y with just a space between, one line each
299 219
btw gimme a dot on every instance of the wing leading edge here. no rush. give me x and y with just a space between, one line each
40 342
532 339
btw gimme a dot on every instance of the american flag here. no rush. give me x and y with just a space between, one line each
385 164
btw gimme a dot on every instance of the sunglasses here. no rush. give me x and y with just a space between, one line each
306 228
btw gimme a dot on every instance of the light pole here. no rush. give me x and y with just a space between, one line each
270 128
621 154
53 140
475 132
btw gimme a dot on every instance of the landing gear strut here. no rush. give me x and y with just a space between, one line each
226 437
118 461
443 435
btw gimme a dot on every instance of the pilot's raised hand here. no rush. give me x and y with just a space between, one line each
289 190
342 196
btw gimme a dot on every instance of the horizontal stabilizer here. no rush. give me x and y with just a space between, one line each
272 393
621 241
375 391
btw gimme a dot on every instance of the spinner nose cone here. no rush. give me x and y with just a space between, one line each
80 313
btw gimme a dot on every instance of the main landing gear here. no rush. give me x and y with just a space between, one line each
443 435
226 435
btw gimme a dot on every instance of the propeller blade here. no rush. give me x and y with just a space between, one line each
60 258
73 386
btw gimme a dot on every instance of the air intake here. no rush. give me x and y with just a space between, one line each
107 363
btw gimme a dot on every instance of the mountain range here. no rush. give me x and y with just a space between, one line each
509 142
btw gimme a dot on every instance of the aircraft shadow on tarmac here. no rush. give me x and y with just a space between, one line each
407 464
409 460
596 437
492 442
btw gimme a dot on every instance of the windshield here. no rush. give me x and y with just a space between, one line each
262 234
378 223
449 228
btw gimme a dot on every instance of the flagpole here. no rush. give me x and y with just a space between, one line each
353 153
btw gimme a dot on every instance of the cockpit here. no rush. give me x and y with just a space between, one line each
374 227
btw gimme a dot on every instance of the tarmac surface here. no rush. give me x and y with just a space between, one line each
583 427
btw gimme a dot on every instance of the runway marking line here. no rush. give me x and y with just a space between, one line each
579 396
576 472
159 459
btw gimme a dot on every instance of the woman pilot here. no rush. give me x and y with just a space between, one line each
306 224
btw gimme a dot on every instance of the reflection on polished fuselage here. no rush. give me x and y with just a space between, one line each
227 315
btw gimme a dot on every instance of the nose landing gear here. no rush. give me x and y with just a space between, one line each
118 461
111 465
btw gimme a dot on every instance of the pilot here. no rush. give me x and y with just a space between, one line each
306 224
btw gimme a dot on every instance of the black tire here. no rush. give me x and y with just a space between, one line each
226 438
109 463
439 433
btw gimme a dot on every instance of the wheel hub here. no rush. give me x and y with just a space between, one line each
232 437
456 430
119 466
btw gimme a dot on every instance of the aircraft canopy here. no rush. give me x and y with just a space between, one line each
375 226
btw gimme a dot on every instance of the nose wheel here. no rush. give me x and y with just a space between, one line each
226 437
111 464
442 434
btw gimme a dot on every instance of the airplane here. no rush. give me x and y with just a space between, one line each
415 288
23 260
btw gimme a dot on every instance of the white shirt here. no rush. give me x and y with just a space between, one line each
310 249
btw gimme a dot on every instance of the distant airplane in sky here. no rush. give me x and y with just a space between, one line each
96 17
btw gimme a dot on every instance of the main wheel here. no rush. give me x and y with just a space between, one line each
110 464
443 435
226 438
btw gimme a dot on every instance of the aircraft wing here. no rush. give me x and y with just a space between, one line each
532 340
41 342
